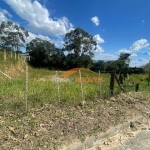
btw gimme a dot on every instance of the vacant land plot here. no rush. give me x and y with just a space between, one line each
37 111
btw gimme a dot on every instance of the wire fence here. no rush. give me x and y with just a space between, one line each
56 89
27 87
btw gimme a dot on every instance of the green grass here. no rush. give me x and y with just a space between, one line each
42 90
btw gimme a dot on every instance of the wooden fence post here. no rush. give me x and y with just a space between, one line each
112 82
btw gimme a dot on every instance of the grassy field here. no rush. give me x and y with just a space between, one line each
56 114
45 86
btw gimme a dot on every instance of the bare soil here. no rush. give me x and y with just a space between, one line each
55 126
113 142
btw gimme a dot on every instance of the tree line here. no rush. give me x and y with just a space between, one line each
77 50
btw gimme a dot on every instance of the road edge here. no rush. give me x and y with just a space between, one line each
94 140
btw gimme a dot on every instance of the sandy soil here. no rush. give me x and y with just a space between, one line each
135 128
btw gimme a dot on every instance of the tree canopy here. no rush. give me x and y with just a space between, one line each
147 67
121 65
77 50
40 51
12 35
79 44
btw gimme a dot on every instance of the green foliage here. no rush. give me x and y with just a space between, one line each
43 88
79 45
124 57
58 59
112 65
98 65
12 36
123 62
147 67
79 41
120 66
40 51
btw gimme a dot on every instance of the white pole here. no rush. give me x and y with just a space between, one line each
58 88
18 56
15 55
4 54
99 84
11 54
81 84
26 91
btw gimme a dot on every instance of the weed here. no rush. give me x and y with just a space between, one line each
81 137
97 128
32 123
70 113
118 115
132 125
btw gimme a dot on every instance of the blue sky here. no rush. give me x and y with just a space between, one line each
116 25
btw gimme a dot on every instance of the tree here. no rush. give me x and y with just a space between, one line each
147 70
58 59
79 45
5 43
98 65
85 61
121 65
112 65
40 51
147 67
125 57
12 35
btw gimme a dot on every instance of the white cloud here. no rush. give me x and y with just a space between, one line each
124 51
58 42
133 62
139 44
99 49
5 12
138 62
95 20
146 53
38 18
98 39
127 51
136 46
133 55
143 21
33 36
105 57
2 17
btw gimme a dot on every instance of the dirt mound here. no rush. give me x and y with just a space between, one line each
15 70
